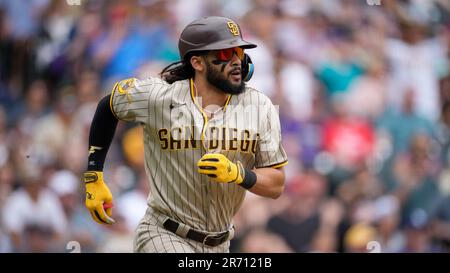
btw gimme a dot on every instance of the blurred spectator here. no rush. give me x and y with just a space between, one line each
298 138
124 47
387 221
28 11
349 139
367 95
363 185
417 192
33 211
6 58
440 226
118 51
88 28
415 173
402 123
260 26
443 133
156 26
4 138
255 214
37 238
34 107
118 239
22 32
7 181
331 218
80 229
52 132
340 69
4 243
300 220
417 233
65 185
303 138
418 74
263 241
55 29
298 89
133 204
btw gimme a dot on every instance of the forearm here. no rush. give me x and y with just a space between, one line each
99 200
101 134
269 182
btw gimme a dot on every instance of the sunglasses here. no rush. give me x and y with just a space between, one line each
225 55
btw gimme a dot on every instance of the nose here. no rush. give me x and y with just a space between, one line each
235 61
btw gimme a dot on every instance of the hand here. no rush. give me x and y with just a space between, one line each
221 169
99 200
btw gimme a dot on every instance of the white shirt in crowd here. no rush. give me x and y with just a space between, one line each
20 210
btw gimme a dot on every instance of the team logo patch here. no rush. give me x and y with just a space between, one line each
234 29
124 87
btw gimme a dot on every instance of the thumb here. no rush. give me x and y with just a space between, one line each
108 208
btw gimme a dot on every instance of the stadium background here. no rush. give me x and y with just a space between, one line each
363 91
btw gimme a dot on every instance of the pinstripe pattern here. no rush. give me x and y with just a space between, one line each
152 238
170 118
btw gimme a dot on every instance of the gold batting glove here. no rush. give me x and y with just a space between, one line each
99 200
221 169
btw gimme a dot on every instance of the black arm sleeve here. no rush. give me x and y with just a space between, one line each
101 134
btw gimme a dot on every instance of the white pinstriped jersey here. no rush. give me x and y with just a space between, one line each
177 133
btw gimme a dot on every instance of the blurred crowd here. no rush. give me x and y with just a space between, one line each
364 100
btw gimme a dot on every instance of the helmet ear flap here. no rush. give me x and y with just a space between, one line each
247 68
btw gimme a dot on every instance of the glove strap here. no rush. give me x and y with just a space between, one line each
92 177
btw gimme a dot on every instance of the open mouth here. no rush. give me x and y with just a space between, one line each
236 75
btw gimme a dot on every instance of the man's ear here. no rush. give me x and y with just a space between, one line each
198 63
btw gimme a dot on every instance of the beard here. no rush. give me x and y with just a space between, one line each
216 79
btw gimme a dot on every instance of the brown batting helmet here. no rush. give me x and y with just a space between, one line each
211 33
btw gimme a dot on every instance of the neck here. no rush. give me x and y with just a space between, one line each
209 94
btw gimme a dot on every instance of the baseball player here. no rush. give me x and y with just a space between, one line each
208 139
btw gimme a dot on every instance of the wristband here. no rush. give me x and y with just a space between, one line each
249 179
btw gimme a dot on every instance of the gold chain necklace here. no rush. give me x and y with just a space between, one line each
204 109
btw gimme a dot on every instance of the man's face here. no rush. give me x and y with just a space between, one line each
224 75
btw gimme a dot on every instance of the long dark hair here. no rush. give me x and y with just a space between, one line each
180 70
177 71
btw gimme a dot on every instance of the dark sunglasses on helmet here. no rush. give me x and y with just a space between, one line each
225 55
